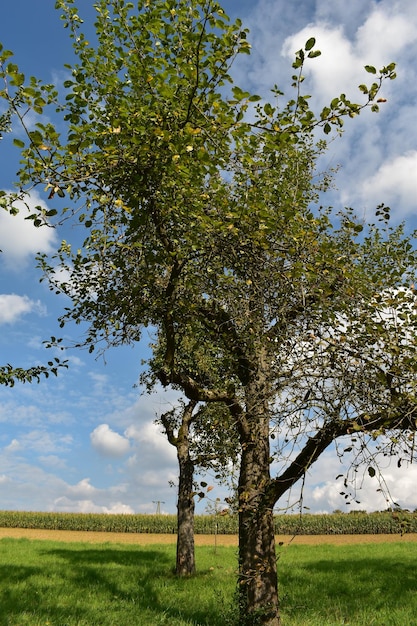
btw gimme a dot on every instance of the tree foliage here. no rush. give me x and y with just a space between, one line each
200 204
9 375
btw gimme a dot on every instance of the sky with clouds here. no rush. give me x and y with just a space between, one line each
86 440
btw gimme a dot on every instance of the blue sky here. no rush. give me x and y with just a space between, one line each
86 441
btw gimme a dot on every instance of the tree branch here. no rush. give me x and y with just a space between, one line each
404 419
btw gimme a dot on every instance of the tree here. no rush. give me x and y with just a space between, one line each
198 434
203 436
199 202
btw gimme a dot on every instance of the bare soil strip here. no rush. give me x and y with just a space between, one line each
144 539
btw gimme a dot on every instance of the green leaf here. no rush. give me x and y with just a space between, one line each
310 43
313 54
370 69
19 143
371 471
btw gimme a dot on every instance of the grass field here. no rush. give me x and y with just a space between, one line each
63 583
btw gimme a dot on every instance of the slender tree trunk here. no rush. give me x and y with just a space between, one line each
258 583
185 512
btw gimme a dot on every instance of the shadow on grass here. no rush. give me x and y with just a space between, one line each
102 587
350 586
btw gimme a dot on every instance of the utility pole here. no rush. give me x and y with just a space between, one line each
158 505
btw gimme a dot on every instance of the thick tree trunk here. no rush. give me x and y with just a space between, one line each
258 583
258 588
185 513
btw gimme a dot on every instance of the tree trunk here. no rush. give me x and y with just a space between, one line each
258 583
185 513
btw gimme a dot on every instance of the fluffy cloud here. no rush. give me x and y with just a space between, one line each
398 487
373 494
394 183
12 307
19 239
379 40
375 33
85 498
66 505
83 489
109 443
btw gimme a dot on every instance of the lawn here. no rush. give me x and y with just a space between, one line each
51 583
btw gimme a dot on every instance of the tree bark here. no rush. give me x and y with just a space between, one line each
258 582
185 564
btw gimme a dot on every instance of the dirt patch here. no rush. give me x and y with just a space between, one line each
200 540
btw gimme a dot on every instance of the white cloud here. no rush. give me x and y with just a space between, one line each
336 70
152 443
32 408
42 441
85 498
89 506
108 442
53 461
374 33
74 361
118 507
379 40
82 489
396 485
19 239
394 183
13 306
385 20
100 381
13 446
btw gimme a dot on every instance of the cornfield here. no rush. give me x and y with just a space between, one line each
307 524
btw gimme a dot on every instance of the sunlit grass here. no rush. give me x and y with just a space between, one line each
46 583
60 584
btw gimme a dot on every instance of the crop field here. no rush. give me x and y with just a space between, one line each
78 578
394 522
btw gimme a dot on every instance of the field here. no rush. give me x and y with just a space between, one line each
387 522
68 578
143 539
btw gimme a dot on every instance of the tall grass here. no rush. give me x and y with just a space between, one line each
46 583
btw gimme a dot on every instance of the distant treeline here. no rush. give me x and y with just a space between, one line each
353 523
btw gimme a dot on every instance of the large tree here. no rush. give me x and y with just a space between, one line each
200 204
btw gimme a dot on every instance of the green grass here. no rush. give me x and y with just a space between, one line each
46 583
350 585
